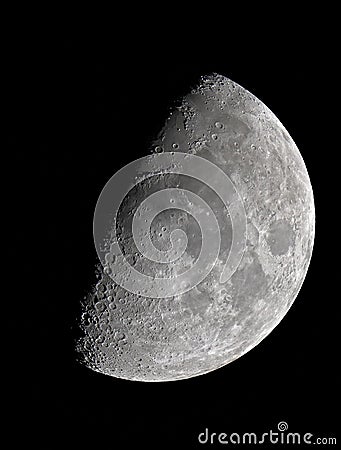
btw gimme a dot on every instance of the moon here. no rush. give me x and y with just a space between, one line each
262 213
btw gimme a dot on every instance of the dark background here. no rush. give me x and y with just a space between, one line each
78 111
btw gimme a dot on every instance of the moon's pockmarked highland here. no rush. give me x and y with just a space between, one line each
209 246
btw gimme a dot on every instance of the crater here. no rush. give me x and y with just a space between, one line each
280 237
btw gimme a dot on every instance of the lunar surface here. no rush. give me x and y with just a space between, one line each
189 332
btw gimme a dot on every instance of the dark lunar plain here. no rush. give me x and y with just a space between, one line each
79 112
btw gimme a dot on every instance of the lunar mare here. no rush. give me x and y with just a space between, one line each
131 336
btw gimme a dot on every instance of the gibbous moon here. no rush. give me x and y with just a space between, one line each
220 250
